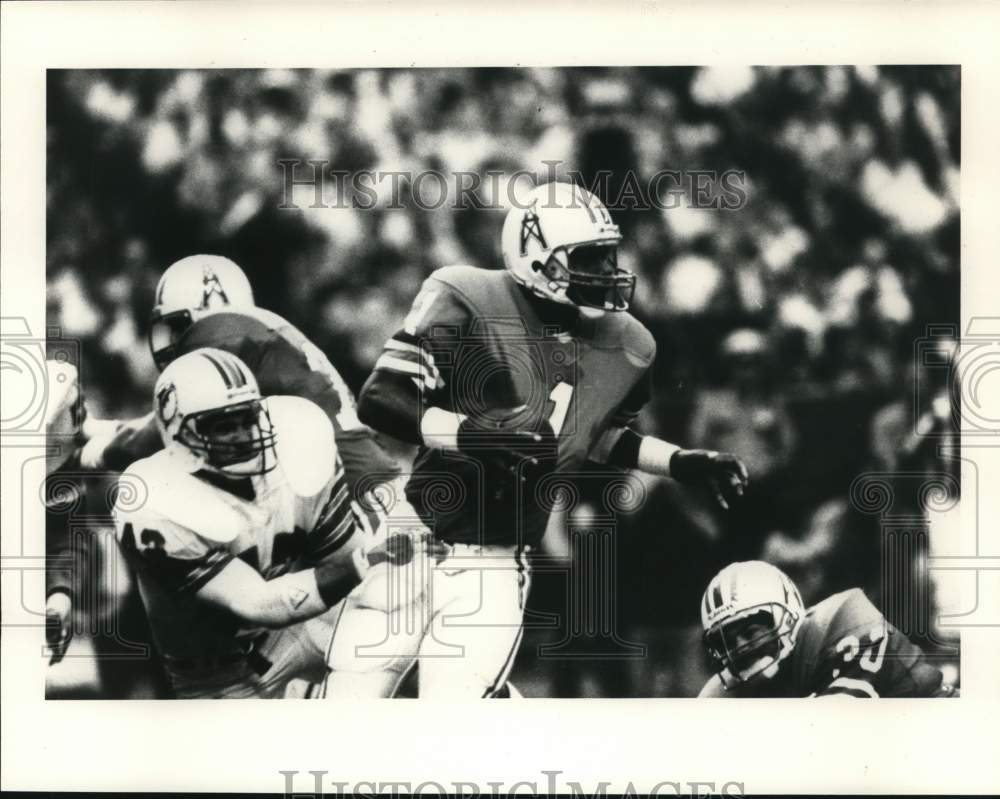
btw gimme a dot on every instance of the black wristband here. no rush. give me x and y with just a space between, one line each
625 452
335 581
469 434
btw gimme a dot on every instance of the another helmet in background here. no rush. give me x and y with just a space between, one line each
209 412
191 288
751 614
562 245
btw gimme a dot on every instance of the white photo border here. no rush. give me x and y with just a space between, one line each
764 746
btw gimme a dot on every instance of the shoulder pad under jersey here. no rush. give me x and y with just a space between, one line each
159 489
461 276
846 612
304 442
827 622
623 330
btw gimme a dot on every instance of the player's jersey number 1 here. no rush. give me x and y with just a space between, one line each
560 397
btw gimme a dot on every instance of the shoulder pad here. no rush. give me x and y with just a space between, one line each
224 330
852 610
238 332
268 319
460 276
304 442
836 616
157 488
625 331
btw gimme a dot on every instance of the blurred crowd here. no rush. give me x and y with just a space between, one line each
786 328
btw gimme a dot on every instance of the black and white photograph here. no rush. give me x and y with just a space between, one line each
482 383
558 381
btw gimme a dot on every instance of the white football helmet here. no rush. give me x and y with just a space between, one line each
191 288
210 414
562 245
751 614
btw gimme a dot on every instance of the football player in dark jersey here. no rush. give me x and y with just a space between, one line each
764 642
207 301
505 378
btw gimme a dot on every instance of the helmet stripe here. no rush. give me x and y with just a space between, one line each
239 380
220 369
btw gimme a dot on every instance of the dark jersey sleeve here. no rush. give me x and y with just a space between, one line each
859 654
630 408
286 363
619 446
279 366
416 368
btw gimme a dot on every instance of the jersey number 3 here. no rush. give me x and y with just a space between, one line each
871 661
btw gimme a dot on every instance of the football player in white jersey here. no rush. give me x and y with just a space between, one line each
242 534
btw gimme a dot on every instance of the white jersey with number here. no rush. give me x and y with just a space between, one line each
179 530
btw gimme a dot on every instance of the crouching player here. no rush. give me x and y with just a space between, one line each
764 642
244 536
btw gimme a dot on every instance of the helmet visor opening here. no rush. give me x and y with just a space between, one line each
595 280
747 645
164 333
237 434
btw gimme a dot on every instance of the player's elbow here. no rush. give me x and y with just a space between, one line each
370 401
389 403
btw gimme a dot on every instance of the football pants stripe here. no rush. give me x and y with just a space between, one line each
524 579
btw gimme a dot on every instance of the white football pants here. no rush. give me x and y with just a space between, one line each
461 619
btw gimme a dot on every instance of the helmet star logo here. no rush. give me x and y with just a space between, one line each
211 287
531 229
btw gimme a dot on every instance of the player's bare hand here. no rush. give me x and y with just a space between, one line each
724 473
58 624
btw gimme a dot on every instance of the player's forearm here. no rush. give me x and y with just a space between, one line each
655 455
285 600
628 449
393 404
297 597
